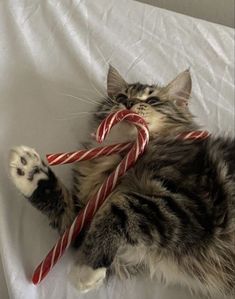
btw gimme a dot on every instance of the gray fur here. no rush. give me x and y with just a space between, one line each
172 215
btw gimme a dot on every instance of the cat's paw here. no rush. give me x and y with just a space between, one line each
26 169
84 278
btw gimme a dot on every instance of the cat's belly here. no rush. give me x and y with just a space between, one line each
90 175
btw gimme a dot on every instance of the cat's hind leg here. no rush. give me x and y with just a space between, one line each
108 232
36 181
85 278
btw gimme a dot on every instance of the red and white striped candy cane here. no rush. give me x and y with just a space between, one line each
96 201
82 155
194 135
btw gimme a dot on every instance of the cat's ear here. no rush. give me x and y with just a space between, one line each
179 90
115 82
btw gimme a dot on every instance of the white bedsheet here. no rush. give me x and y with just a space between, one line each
54 57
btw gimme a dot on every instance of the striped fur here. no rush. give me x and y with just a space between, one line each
172 216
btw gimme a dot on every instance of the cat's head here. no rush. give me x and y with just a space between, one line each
164 108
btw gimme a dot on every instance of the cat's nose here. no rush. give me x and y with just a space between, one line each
129 104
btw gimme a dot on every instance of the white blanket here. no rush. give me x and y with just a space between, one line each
54 57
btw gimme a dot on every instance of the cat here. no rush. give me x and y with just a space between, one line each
172 215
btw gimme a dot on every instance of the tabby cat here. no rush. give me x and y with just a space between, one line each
172 216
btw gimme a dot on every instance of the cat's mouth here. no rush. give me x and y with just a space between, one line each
141 111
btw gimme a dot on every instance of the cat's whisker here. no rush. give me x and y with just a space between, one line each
69 118
97 100
85 89
87 112
75 115
102 55
99 92
13 165
104 96
107 62
87 100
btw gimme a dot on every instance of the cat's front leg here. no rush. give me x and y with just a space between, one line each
27 169
36 181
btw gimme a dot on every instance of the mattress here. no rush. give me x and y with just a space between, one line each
54 57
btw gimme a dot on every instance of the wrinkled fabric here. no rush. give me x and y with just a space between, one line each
54 57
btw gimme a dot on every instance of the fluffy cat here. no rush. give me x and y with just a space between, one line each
171 216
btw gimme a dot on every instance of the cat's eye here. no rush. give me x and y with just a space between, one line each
153 101
121 98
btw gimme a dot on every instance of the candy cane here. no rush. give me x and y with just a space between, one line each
194 135
82 155
106 188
